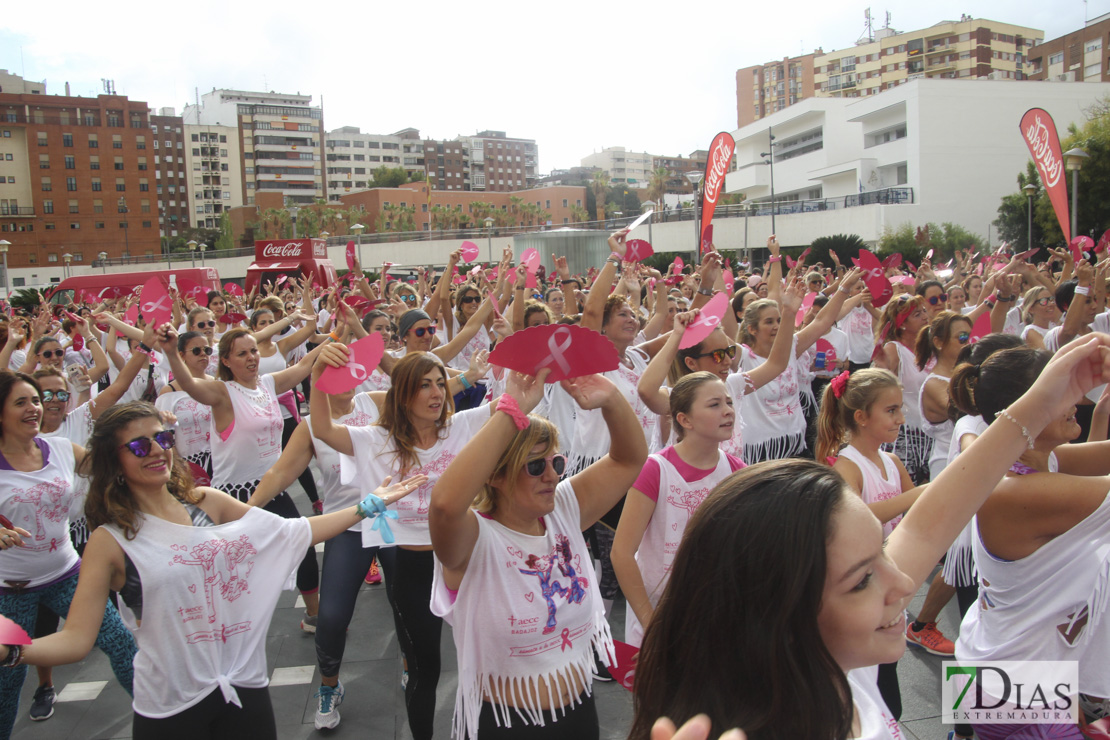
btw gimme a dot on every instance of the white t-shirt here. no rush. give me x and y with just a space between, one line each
775 410
875 720
861 335
376 458
194 422
333 493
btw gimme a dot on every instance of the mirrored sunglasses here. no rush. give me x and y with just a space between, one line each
48 396
719 355
141 446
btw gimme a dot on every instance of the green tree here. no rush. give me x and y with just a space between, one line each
225 239
846 247
657 185
600 187
389 177
579 215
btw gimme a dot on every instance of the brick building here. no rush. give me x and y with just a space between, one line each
170 174
1081 56
76 178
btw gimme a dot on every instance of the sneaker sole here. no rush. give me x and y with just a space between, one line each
46 716
328 723
309 628
928 649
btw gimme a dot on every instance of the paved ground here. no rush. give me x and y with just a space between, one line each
92 706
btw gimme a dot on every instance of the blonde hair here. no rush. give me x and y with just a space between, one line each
683 394
518 453
836 421
751 318
1030 299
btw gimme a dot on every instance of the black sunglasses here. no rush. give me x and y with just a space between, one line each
202 324
934 300
538 467
470 299
141 446
47 354
719 355
48 396
198 351
431 330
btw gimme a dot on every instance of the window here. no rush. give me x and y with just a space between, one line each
74 225
42 138
48 206
73 207
44 161
1094 45
67 139
117 141
144 186
46 186
120 185
71 184
140 142
142 164
1057 58
147 225
1092 71
98 206
50 226
94 142
71 162
117 163
94 163
98 225
96 185
144 206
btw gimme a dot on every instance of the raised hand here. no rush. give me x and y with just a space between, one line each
167 339
590 391
526 389
696 728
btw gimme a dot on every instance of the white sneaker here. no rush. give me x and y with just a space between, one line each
327 711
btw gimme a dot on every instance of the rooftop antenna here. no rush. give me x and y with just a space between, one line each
868 31
109 86
888 20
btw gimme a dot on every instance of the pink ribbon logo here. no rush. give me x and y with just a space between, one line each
708 320
566 641
557 350
357 370
153 307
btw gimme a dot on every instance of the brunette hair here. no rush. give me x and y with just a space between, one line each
1000 380
184 338
223 372
459 295
939 328
899 307
836 421
8 379
745 590
532 307
257 314
43 341
683 394
517 454
371 316
613 304
738 300
110 500
407 376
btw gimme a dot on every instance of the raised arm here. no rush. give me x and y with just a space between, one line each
127 374
336 436
654 378
594 311
821 324
774 271
202 390
301 335
475 323
442 295
783 347
291 377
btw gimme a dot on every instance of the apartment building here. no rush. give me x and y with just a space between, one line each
214 161
1081 56
352 156
76 178
497 163
622 166
170 174
281 140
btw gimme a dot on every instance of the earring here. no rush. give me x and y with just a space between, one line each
119 479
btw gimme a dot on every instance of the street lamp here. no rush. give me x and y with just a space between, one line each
67 258
293 211
695 176
489 237
357 228
649 204
192 245
103 257
4 244
1030 190
771 161
324 235
1073 161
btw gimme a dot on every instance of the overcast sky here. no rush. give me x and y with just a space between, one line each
651 76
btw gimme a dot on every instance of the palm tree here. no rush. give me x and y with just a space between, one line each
657 184
515 203
600 186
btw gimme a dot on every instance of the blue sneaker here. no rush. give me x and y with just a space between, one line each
327 711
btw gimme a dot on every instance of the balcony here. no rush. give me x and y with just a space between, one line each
17 210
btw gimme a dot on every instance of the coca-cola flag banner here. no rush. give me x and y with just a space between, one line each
716 167
1044 144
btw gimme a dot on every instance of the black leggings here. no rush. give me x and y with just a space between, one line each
308 483
418 630
345 564
579 722
213 719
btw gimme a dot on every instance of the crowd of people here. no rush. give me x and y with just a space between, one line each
767 500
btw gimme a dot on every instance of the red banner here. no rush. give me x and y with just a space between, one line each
716 167
1044 144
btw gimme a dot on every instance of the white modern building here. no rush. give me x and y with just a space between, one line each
927 150
352 156
215 181
622 166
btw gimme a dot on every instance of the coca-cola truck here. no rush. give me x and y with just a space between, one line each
307 257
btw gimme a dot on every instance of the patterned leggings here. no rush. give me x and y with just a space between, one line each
114 640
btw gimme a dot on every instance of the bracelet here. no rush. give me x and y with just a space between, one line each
15 656
773 260
1006 299
465 383
705 291
509 405
841 289
564 282
1082 290
142 348
1024 432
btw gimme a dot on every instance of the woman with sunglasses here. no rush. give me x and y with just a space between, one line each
1039 311
417 433
38 563
938 347
526 626
194 419
246 428
936 300
669 489
418 333
173 549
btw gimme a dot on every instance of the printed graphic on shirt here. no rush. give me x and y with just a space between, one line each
225 566
51 502
421 498
195 420
571 588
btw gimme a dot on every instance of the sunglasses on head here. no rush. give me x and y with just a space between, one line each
963 337
198 351
538 467
470 299
431 331
934 300
48 396
719 355
47 354
141 446
204 324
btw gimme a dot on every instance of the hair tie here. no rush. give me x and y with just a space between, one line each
839 383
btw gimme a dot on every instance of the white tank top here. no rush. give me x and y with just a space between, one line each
941 433
591 435
861 335
911 379
878 485
676 502
528 607
40 502
775 409
1031 329
194 422
333 493
477 343
208 596
252 444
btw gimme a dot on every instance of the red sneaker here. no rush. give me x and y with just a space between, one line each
930 638
374 575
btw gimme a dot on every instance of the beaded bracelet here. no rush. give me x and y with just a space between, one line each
1005 413
15 656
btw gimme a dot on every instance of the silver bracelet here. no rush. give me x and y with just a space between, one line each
1024 432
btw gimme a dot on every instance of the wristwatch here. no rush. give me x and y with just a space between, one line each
705 291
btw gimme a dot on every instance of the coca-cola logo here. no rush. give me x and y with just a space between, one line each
1040 140
289 249
718 167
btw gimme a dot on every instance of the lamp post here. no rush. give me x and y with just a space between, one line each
645 206
66 258
103 257
192 245
489 238
1030 190
122 207
357 228
293 211
771 161
1073 161
4 244
695 176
